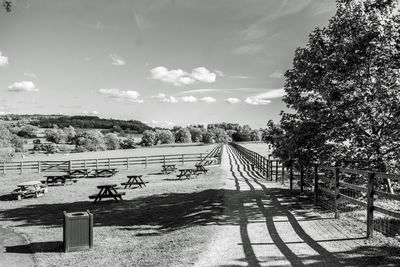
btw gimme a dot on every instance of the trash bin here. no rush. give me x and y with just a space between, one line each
77 231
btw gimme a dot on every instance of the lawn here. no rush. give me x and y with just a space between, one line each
259 147
167 223
141 151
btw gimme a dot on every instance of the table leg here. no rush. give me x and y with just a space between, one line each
140 178
99 196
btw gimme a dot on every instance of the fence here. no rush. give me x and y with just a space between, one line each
334 188
213 157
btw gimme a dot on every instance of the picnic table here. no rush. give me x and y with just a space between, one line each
187 173
109 172
200 168
78 173
107 191
168 168
58 179
134 180
29 189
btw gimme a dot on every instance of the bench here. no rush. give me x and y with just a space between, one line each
134 180
107 191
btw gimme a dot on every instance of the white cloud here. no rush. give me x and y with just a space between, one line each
275 93
3 60
199 91
24 86
94 112
180 77
169 99
203 75
277 74
219 73
117 94
189 99
239 77
30 74
256 101
117 60
208 99
232 100
162 124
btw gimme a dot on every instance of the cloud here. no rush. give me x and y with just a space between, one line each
189 99
248 49
180 77
219 73
277 74
94 112
24 86
203 75
114 93
239 77
232 100
30 74
161 124
208 99
169 99
256 101
117 60
3 60
199 91
275 93
264 98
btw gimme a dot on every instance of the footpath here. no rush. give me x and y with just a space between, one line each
11 245
271 228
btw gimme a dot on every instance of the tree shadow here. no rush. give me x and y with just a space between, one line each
35 247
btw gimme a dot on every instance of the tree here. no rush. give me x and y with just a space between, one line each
220 135
347 80
255 135
56 136
164 137
111 141
183 136
27 131
70 134
149 138
197 134
92 140
128 143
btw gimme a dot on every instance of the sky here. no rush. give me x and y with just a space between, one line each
164 62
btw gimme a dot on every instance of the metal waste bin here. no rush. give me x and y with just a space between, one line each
77 231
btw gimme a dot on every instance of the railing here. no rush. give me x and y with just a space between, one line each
331 187
63 165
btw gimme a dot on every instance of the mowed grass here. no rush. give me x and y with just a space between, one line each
259 147
120 153
167 223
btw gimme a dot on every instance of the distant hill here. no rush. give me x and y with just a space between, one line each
93 122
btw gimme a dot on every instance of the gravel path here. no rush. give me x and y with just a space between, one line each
13 250
273 229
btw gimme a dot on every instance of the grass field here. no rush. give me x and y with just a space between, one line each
259 147
166 223
141 151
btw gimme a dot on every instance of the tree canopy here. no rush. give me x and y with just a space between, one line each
344 89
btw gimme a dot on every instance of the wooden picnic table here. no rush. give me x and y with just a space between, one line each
107 191
78 173
29 189
168 168
187 173
58 179
109 172
200 168
134 180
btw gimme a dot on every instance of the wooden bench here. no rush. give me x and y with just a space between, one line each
29 189
134 180
168 168
186 173
107 191
200 169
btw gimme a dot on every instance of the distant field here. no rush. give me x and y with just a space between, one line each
259 147
142 151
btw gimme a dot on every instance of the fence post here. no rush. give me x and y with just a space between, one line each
4 167
272 169
315 184
201 157
39 166
336 199
127 163
291 176
164 159
97 163
276 170
267 169
109 163
183 160
145 162
84 163
69 165
283 172
370 205
22 167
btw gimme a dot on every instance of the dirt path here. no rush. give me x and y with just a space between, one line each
10 252
272 229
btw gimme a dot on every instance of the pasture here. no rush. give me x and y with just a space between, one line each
159 225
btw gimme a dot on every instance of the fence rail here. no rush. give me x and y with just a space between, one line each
213 157
326 184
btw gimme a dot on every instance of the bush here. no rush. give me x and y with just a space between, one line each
149 138
183 136
111 141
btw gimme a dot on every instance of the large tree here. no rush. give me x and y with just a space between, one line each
344 85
